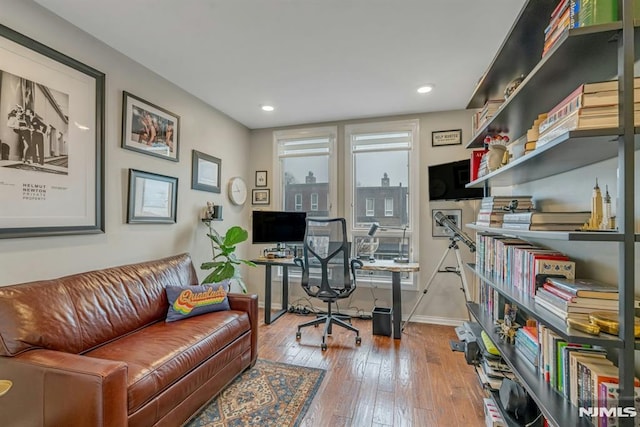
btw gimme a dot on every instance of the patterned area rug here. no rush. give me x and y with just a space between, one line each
269 394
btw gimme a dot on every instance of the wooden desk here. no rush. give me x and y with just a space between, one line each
285 263
380 265
395 268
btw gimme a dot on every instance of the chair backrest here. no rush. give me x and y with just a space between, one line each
327 272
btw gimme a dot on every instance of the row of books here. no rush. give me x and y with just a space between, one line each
493 209
514 263
577 13
545 221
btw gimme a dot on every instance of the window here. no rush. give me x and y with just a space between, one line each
388 206
369 207
382 169
305 170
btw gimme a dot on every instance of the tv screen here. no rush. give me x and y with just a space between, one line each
278 227
447 182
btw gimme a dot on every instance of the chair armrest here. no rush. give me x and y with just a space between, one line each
248 303
355 263
53 388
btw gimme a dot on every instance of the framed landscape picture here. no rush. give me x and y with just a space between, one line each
205 172
152 198
51 141
260 197
149 129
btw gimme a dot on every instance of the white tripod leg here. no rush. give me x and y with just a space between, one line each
426 288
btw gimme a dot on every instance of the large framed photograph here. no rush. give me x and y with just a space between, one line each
455 215
51 141
149 129
260 197
153 198
446 137
205 172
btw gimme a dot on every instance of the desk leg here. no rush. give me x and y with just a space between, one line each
397 304
268 317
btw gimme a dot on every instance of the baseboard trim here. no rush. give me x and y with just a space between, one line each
433 320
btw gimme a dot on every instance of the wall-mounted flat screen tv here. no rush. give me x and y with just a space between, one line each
278 227
447 182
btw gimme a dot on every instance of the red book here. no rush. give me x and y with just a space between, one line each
558 292
476 157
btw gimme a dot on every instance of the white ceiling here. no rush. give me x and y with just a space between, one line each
313 60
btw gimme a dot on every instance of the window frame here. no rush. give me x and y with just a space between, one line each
387 211
408 281
369 211
313 204
329 132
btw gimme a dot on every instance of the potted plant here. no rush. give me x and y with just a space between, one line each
225 263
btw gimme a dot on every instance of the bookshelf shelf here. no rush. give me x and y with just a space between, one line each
552 321
591 55
554 407
557 156
574 236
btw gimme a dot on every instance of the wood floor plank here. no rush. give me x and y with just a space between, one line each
416 381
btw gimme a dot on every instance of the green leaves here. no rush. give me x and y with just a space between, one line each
225 262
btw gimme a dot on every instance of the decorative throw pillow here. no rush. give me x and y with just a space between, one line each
189 301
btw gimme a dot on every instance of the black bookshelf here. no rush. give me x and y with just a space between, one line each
554 407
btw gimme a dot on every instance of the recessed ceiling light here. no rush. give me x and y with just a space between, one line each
425 89
267 108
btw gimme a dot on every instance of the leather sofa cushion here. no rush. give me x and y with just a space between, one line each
79 312
160 354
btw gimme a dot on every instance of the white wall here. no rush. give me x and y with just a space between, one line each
444 302
203 128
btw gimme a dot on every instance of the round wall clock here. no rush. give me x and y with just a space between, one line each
237 191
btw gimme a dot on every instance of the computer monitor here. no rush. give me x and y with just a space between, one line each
278 227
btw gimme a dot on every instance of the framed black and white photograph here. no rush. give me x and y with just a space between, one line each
205 172
260 197
51 141
152 198
455 215
446 137
261 178
149 129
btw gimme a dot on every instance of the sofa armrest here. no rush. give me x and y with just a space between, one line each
248 303
53 388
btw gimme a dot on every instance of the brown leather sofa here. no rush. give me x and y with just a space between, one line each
93 349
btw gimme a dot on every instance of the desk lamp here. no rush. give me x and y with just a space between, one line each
401 258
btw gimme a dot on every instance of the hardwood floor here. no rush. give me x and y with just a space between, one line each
416 381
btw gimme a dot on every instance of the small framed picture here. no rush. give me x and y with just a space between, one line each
260 197
446 137
455 215
152 198
205 172
261 178
149 129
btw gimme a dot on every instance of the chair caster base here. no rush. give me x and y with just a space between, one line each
323 346
358 340
298 335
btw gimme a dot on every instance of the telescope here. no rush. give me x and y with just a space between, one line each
456 232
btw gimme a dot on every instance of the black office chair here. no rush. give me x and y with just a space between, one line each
327 271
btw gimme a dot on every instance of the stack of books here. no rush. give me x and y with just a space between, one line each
590 106
545 221
534 133
492 209
576 297
479 119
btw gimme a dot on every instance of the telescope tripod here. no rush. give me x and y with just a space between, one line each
456 270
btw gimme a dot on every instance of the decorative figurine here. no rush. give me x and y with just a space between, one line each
512 86
596 210
606 211
497 148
